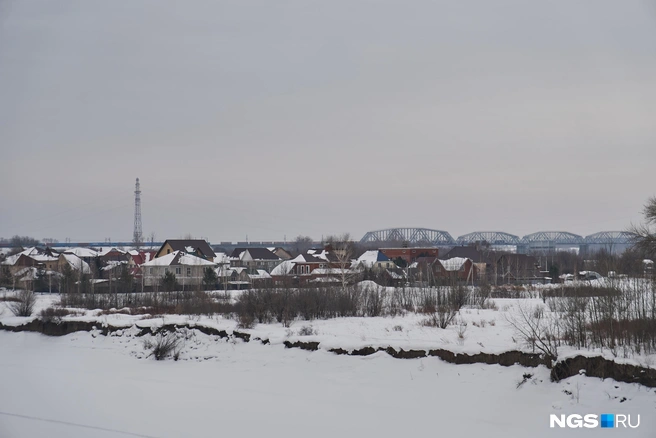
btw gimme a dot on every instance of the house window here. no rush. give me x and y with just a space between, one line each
150 271
188 272
178 271
168 251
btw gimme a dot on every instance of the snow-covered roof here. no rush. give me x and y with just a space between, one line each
76 263
82 252
221 257
43 258
394 275
370 258
261 275
283 268
26 274
332 271
141 257
11 260
648 262
307 258
33 252
113 264
325 280
107 249
590 274
179 258
453 264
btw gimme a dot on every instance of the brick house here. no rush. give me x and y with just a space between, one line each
408 255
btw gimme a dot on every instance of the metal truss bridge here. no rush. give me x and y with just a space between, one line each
541 240
415 236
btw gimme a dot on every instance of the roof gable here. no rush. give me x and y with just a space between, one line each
200 245
178 258
453 264
261 254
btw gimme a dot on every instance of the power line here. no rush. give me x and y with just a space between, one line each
69 423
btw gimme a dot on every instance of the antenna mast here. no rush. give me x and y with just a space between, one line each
137 237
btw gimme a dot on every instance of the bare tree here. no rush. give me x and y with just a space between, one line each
302 244
343 248
645 235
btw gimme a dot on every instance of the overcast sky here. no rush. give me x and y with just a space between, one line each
269 119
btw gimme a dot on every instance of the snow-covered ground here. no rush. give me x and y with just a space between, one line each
85 385
473 331
89 385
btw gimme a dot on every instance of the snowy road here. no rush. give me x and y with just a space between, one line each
81 386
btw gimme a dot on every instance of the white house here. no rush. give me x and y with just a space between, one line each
188 269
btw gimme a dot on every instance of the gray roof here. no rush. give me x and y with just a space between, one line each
198 244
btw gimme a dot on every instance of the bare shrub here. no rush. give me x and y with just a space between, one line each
538 312
397 328
536 330
245 321
25 304
491 305
442 317
163 346
458 296
307 330
373 301
480 297
55 314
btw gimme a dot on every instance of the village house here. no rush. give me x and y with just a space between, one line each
456 269
254 258
198 247
109 255
433 271
187 268
483 260
255 277
86 254
39 258
231 278
408 255
517 268
374 260
74 262
314 266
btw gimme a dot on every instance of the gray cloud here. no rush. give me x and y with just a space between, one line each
270 119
